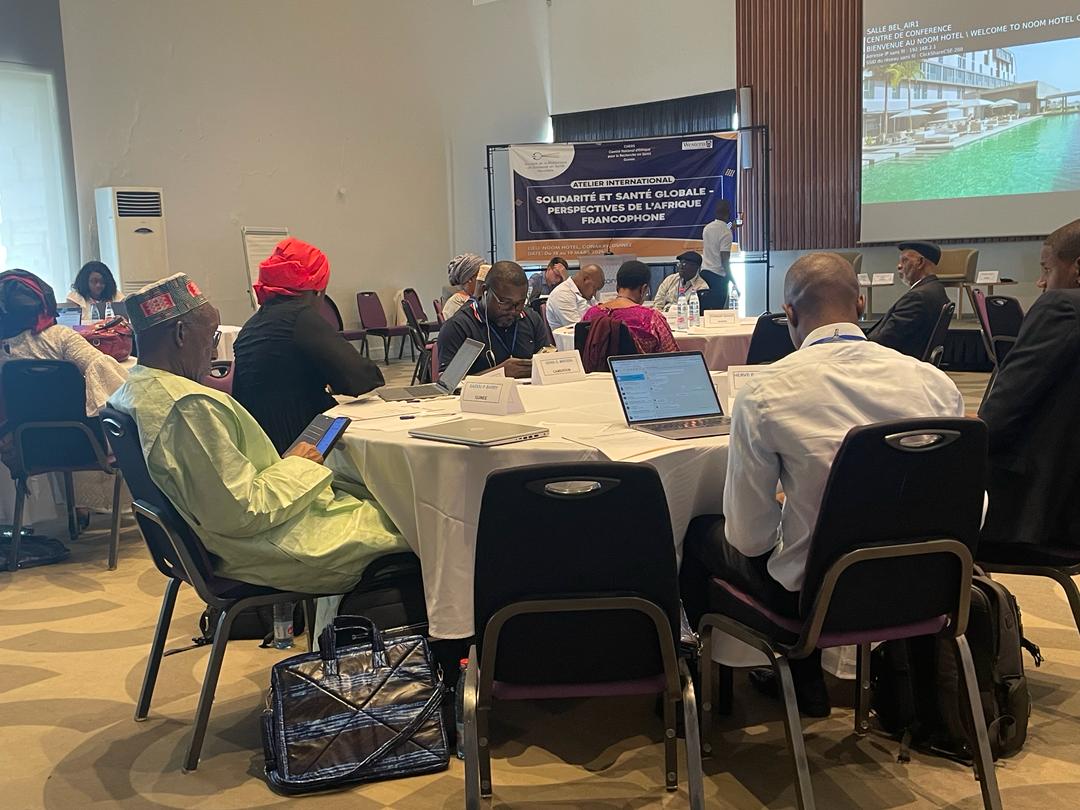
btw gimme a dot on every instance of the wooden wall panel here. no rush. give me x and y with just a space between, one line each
802 61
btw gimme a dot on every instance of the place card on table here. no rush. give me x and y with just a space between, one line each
883 280
497 396
713 318
864 280
739 377
988 277
551 368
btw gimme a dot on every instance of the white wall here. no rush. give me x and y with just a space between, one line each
609 53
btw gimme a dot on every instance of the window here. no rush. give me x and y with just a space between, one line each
33 205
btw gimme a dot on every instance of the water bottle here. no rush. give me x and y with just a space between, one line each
108 310
733 299
459 707
283 629
695 309
680 314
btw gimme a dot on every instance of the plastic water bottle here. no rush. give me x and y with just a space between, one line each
283 627
733 298
695 309
108 310
459 707
680 314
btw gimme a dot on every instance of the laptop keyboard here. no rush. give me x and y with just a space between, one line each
690 424
423 390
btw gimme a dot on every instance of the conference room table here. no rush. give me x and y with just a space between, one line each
722 347
432 490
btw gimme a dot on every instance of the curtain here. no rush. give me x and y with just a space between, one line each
709 112
33 214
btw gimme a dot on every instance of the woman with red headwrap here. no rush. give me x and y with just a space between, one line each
288 357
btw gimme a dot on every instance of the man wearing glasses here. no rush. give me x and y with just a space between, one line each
510 333
686 281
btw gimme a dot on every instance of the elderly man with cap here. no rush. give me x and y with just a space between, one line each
571 299
267 519
685 281
462 271
909 323
287 354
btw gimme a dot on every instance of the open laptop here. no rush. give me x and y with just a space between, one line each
479 432
448 380
669 395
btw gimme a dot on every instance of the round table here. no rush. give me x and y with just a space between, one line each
723 347
432 490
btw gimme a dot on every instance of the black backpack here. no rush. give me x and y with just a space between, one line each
918 693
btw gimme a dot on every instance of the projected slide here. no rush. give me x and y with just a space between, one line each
969 99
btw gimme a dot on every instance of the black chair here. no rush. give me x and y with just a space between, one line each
584 603
886 562
770 341
422 346
581 337
181 557
1004 316
332 315
45 408
1060 564
935 347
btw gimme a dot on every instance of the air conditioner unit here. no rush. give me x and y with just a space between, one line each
131 235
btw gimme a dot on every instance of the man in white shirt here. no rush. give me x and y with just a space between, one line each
786 428
716 250
570 300
685 281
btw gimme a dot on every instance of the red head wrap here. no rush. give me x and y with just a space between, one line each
293 267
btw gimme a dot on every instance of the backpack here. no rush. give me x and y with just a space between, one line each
918 693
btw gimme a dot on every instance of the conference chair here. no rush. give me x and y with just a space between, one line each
181 557
935 347
582 329
409 294
1004 316
542 310
608 624
978 305
957 268
886 562
1059 563
435 302
421 344
373 320
220 377
332 315
770 341
45 409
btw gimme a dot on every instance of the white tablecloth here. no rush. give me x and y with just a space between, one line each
722 347
432 490
225 344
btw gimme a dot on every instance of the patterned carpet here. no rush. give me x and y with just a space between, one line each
75 636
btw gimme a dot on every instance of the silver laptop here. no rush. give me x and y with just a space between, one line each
448 380
478 432
669 395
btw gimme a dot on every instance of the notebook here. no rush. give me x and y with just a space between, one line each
669 395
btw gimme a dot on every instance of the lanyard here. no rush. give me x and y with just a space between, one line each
490 332
513 343
836 337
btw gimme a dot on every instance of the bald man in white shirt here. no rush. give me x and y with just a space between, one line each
785 430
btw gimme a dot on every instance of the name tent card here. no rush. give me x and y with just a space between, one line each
883 279
864 279
739 377
551 368
988 277
715 318
498 396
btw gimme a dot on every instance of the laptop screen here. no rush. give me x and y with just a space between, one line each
69 317
664 386
459 366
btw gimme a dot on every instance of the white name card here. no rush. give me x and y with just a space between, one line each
739 377
988 277
883 280
551 368
713 318
497 396
864 279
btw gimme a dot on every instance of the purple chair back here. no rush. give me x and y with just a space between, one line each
370 309
438 311
434 361
220 377
329 311
409 294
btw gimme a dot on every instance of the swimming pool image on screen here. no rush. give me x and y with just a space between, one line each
977 124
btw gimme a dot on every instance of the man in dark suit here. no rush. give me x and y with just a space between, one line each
909 323
1031 412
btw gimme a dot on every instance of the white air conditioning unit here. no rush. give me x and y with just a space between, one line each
131 235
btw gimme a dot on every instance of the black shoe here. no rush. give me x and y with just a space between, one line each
812 696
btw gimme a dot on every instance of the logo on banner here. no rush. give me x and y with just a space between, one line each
704 143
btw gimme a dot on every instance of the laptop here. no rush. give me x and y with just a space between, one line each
69 317
448 380
669 395
478 432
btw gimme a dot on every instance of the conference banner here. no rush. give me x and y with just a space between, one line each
647 197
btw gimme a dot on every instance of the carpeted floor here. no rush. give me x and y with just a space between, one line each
75 636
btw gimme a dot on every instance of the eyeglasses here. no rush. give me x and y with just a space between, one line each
217 337
517 306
